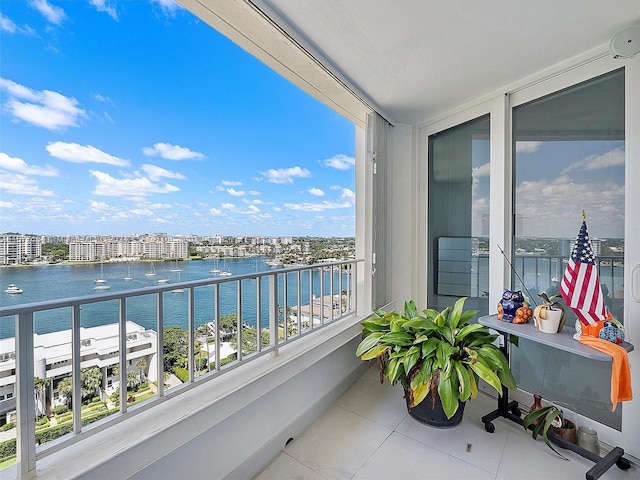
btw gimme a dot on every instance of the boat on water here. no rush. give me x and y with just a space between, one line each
163 280
13 289
216 267
178 290
176 268
101 279
128 277
225 270
152 272
102 287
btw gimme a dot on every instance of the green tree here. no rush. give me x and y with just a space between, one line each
65 387
176 347
142 366
133 379
90 381
40 390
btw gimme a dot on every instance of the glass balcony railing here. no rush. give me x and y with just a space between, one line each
151 343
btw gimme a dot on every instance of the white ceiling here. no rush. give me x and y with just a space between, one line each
414 58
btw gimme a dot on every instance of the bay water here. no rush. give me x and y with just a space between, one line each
51 282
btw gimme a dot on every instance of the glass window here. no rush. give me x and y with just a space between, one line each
458 221
569 157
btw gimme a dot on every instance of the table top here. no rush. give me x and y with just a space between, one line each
563 340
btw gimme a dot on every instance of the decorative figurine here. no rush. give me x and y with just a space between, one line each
513 308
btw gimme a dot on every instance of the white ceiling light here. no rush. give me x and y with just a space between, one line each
625 43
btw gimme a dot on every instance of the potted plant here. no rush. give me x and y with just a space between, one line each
550 316
550 417
437 356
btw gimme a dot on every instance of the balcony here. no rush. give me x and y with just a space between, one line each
367 434
279 383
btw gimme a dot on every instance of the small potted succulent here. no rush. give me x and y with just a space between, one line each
550 316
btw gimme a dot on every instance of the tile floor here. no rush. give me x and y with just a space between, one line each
367 434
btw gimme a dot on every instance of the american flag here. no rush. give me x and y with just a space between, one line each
580 286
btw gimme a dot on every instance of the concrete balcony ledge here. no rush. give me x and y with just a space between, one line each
230 426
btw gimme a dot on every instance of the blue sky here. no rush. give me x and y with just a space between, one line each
122 117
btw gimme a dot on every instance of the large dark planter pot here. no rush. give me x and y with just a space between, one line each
430 413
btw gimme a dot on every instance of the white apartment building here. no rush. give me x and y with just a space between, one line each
102 249
98 347
16 248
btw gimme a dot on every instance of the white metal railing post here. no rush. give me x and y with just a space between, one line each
76 379
26 403
259 313
273 313
216 321
191 335
285 307
160 342
122 354
239 318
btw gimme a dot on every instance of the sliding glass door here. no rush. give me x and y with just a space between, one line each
458 218
569 157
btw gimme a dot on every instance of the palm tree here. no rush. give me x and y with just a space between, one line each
142 366
40 389
90 381
132 379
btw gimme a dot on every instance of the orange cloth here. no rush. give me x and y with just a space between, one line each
620 371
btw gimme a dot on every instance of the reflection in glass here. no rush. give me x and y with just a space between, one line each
569 157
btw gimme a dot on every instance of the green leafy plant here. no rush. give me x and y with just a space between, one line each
437 352
553 302
543 419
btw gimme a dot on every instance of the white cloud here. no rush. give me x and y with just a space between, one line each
168 7
255 201
255 193
52 13
18 184
156 173
316 192
229 206
46 109
557 205
285 175
216 212
349 196
339 162
229 183
100 206
235 193
612 158
102 98
317 207
18 165
74 153
103 6
109 186
171 152
527 147
481 171
7 25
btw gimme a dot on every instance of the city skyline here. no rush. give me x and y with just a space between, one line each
124 117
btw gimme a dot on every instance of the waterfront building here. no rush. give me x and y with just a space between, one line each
53 360
16 248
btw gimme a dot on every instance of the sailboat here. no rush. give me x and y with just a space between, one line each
128 277
152 272
101 279
176 268
177 290
101 283
225 270
216 268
